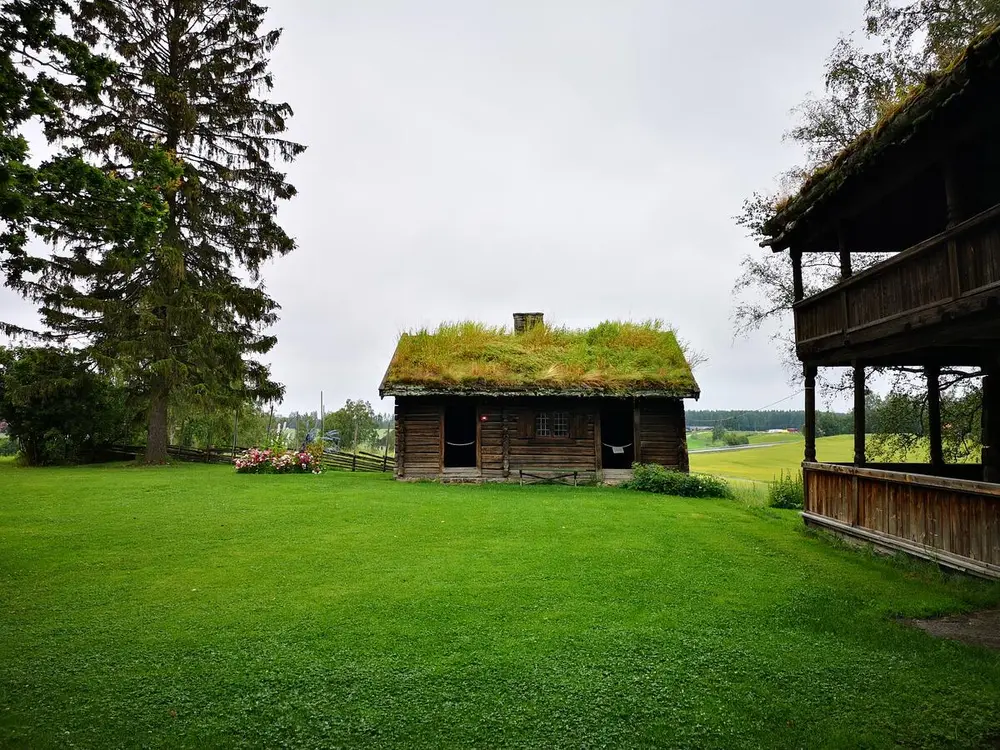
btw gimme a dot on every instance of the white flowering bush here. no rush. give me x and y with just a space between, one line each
271 461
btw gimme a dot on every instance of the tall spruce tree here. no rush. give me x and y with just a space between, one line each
184 111
42 71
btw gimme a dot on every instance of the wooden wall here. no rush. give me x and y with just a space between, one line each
418 437
662 433
578 452
952 516
507 442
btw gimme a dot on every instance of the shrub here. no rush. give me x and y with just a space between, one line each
787 491
267 461
8 447
663 481
736 438
58 408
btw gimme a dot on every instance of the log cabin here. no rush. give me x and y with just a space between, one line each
923 187
538 403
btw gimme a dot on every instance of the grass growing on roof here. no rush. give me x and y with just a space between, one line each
611 357
190 606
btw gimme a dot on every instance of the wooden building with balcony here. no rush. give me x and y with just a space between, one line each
538 403
924 187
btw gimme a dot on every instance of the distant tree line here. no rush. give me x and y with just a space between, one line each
827 422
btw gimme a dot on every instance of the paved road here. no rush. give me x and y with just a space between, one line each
738 447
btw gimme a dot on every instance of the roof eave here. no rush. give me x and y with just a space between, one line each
952 82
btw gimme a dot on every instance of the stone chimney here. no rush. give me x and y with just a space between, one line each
524 321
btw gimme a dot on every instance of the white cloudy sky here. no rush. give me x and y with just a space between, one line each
467 159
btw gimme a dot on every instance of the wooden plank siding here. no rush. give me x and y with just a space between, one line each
955 521
507 443
945 278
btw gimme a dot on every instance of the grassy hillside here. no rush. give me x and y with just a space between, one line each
703 440
763 464
189 606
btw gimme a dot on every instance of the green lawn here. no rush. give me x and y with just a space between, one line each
192 607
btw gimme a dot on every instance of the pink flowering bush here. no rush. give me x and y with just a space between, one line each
268 461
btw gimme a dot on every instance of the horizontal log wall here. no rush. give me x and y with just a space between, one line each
662 434
507 443
958 517
418 437
576 453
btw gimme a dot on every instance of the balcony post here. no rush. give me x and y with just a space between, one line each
991 423
952 192
859 415
797 290
933 373
845 253
810 425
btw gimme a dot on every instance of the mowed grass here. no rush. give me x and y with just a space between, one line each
192 607
764 464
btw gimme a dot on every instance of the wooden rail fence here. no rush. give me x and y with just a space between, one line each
360 461
342 461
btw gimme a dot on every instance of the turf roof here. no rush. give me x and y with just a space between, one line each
613 358
977 66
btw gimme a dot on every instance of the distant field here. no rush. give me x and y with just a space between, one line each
702 440
775 437
763 464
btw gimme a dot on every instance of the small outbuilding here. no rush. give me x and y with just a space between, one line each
475 403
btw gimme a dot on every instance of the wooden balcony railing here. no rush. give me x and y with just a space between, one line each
955 522
913 289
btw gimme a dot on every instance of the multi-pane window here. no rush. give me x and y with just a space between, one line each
560 424
543 425
552 424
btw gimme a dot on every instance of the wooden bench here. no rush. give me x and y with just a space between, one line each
548 476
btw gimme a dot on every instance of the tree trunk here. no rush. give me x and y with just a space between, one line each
156 435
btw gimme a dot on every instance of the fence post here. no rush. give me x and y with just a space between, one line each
354 462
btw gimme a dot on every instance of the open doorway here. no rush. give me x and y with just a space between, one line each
460 435
617 435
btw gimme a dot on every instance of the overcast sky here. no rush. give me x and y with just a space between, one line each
468 159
